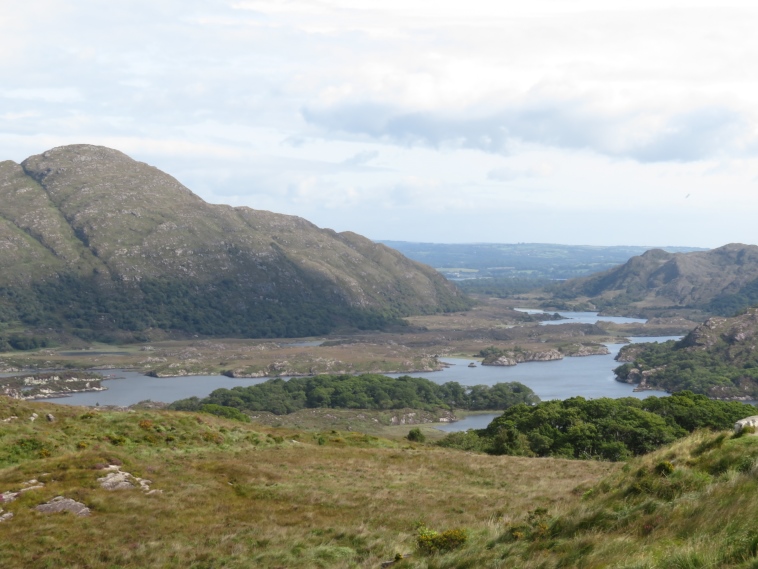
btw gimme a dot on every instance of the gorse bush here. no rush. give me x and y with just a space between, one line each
431 541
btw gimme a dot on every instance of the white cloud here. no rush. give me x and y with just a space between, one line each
399 118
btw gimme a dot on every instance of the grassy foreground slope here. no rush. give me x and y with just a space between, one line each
242 495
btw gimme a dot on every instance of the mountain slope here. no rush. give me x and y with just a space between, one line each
719 281
95 241
718 358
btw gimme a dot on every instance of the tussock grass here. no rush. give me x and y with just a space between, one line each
248 495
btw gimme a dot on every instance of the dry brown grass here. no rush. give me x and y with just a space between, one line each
352 501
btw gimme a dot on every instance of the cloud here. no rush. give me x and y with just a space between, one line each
510 174
361 158
48 95
687 136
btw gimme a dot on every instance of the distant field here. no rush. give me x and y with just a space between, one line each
532 260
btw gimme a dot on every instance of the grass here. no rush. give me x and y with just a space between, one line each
247 495
241 495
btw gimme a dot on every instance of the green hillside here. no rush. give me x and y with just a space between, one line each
718 358
201 491
99 245
720 281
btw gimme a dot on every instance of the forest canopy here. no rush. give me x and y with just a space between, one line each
366 391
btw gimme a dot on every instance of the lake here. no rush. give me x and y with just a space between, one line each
582 317
589 376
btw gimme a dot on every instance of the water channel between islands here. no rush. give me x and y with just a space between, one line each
590 377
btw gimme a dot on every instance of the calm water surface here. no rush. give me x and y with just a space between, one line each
590 377
582 318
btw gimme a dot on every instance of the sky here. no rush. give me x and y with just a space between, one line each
549 121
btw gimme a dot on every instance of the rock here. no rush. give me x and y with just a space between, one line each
6 516
61 504
118 480
746 422
33 417
50 417
501 361
8 496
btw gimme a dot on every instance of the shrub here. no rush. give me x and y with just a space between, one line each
431 541
664 468
415 435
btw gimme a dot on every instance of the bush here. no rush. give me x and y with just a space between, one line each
430 541
415 435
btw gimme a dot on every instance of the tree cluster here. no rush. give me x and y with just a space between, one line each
708 372
366 391
606 429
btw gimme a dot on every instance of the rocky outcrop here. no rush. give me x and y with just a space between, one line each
61 504
639 377
49 385
513 357
583 350
746 422
116 479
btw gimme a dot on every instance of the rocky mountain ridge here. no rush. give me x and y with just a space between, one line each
93 240
720 281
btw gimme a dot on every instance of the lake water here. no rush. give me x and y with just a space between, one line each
582 318
590 377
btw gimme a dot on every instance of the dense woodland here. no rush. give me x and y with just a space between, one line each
606 429
107 311
367 391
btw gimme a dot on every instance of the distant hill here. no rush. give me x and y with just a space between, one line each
103 246
520 260
720 281
718 359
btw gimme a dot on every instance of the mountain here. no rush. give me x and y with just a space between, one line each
719 281
718 359
99 244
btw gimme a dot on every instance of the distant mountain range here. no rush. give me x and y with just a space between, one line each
719 281
521 260
103 246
